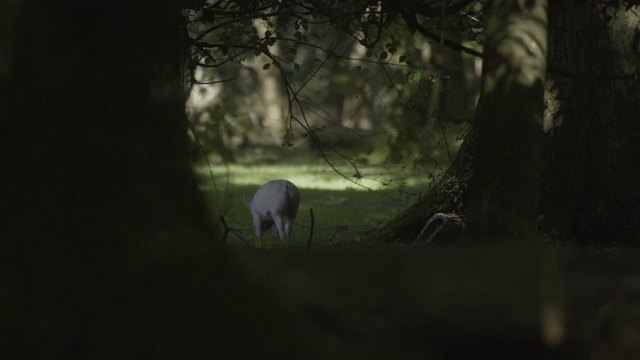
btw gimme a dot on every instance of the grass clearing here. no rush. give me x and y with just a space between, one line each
343 210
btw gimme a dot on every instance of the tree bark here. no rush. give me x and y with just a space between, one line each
590 188
504 185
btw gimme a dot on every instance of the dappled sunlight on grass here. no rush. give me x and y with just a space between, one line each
340 216
307 169
312 176
343 210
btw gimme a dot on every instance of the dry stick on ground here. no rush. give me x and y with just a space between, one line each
226 229
310 230
339 226
234 231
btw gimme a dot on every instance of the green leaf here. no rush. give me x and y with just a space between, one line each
402 58
383 55
266 66
296 66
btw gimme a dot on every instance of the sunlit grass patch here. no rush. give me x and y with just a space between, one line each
343 208
316 176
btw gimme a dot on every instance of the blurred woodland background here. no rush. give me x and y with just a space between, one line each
369 100
391 101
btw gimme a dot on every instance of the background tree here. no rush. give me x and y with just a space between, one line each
587 194
351 73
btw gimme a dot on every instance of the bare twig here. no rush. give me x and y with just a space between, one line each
238 233
310 229
226 229
235 232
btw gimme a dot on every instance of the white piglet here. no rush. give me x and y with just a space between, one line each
276 202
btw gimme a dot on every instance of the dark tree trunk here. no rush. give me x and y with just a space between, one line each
591 189
93 132
97 191
504 185
106 250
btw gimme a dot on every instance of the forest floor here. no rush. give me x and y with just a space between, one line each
441 303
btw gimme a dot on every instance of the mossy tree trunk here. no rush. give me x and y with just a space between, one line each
506 136
505 180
